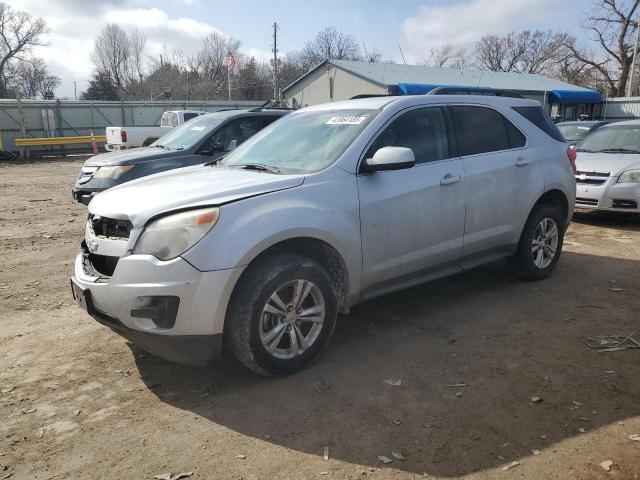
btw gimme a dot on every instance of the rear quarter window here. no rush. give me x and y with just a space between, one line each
540 119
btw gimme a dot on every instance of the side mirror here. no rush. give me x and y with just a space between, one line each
390 158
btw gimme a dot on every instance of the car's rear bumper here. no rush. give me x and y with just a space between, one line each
610 196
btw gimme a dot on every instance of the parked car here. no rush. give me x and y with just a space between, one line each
204 139
122 138
608 164
573 132
329 206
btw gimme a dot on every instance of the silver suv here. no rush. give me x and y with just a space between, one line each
327 207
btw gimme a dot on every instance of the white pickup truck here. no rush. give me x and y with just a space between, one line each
121 138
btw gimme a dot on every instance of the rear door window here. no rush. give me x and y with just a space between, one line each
479 130
423 130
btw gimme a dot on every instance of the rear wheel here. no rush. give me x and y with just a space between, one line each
540 243
281 315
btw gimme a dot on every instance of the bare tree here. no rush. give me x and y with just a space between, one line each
120 54
576 72
252 79
137 42
447 56
111 53
523 52
33 78
215 48
290 68
19 33
330 43
374 56
613 30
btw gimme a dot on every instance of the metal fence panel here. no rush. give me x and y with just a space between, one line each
621 108
69 118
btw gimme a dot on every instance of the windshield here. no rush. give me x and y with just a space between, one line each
188 134
303 142
571 133
614 139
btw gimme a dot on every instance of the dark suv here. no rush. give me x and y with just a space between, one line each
203 139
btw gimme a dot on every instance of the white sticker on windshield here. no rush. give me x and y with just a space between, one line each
346 120
197 129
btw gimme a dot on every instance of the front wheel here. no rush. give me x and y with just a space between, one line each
281 315
540 243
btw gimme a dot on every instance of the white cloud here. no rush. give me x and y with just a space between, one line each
463 23
260 55
74 24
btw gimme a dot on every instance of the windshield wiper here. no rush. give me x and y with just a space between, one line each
160 146
618 150
261 167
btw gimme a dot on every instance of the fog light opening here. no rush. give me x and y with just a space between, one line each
161 309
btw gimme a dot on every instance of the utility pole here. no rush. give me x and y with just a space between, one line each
366 54
275 63
633 62
405 62
75 92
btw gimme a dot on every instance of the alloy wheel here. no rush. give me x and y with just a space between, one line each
292 319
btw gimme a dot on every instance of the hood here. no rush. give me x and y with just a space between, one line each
130 156
142 199
614 163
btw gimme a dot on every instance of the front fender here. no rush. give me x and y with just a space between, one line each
325 210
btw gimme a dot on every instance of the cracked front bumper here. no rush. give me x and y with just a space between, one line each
194 338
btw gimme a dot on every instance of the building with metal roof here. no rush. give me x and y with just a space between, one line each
334 80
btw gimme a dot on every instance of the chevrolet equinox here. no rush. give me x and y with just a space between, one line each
329 206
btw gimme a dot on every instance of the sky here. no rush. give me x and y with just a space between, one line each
416 26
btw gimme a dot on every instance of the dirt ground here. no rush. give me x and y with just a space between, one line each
77 401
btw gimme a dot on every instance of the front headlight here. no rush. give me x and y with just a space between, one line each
112 172
630 176
168 237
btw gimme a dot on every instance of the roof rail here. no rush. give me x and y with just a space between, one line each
474 91
262 109
368 95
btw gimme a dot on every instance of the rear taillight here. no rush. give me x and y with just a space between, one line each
123 136
571 155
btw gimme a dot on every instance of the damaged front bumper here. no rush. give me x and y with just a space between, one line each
168 308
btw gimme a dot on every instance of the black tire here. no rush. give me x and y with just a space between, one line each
258 283
522 262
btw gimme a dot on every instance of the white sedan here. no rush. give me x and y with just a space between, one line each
608 169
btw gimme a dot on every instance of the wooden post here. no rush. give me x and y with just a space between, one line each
24 153
59 122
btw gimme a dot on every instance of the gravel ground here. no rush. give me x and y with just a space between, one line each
77 401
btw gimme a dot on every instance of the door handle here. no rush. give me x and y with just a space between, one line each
450 179
521 162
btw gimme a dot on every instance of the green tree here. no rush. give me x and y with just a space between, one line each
101 87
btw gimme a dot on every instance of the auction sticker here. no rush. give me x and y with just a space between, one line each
345 120
196 129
